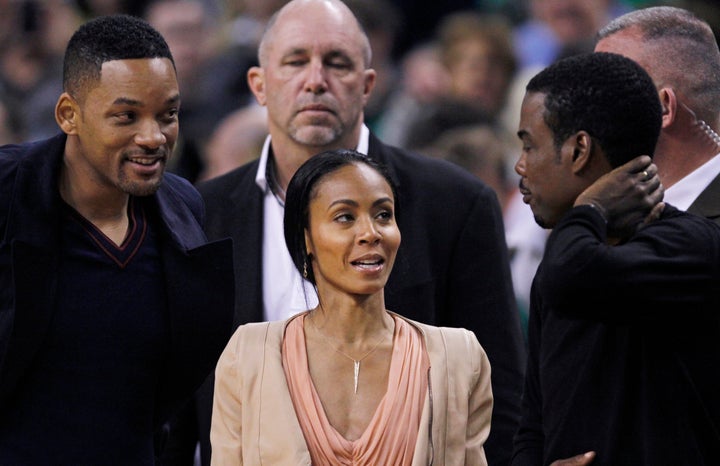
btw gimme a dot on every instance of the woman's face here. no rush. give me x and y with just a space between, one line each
352 235
479 75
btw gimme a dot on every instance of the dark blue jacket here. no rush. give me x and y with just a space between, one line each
198 274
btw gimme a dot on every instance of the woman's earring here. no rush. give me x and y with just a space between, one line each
305 269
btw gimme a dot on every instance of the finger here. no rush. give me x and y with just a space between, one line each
579 460
655 190
648 173
632 167
640 163
654 213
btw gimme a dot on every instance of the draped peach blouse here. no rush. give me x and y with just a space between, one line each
390 437
254 421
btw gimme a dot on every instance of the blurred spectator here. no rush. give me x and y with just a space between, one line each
440 117
187 28
554 25
383 24
421 17
423 79
93 8
224 84
32 44
247 20
477 55
243 24
238 139
483 151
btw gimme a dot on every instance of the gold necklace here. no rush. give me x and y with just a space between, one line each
356 362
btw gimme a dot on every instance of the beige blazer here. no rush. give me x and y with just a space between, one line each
254 422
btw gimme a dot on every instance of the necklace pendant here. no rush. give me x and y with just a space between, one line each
357 374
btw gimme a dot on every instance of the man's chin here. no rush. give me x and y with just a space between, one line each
316 136
141 188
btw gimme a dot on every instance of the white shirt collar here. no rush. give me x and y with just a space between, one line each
683 193
364 142
261 180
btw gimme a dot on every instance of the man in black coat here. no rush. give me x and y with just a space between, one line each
114 306
624 328
452 266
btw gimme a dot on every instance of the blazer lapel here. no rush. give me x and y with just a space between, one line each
379 151
708 202
31 237
278 422
247 242
235 210
34 273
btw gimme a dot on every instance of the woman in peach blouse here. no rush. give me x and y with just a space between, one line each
348 382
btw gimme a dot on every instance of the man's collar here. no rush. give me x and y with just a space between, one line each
683 193
261 177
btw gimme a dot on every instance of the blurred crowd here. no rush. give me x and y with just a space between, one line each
451 76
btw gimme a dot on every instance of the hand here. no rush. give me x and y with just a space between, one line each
579 460
630 196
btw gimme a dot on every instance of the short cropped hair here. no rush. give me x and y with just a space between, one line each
302 190
108 38
685 53
609 96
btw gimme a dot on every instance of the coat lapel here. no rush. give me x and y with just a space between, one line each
31 239
708 202
276 404
247 241
235 209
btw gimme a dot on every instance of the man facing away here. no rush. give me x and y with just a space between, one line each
680 53
114 307
452 268
624 331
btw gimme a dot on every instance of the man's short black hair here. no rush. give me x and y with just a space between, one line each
108 38
609 96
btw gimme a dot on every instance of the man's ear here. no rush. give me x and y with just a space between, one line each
256 83
669 103
370 76
67 113
578 148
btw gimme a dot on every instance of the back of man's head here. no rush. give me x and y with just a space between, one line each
108 38
678 49
607 95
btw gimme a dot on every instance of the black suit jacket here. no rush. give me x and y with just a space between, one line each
707 203
624 345
451 269
198 274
